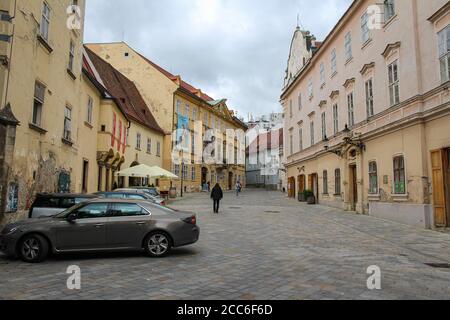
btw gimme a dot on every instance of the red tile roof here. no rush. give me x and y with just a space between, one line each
125 92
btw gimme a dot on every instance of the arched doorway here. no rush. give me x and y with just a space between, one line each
205 179
230 180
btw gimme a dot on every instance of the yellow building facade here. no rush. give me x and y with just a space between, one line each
169 97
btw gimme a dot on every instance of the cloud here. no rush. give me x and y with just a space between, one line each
229 48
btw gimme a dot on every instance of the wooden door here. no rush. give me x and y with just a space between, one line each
447 184
301 183
353 187
440 216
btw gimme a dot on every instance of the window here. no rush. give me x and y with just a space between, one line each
71 55
300 139
365 31
185 172
373 178
369 98
310 89
205 118
90 107
291 145
39 95
290 109
149 145
351 110
348 46
92 211
45 22
322 74
193 174
312 132
187 108
158 149
389 9
333 62
178 107
325 182
399 175
138 141
394 83
335 119
337 182
444 53
194 114
176 169
128 210
324 126
67 124
299 101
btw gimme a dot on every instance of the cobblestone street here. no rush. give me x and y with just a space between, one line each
261 246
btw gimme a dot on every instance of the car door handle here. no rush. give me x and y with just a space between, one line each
141 223
99 225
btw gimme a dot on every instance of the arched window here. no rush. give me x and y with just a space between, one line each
373 178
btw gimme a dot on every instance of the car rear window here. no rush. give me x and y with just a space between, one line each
44 202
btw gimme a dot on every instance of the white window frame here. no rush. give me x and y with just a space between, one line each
44 29
324 125
311 129
394 83
149 145
333 62
67 133
158 149
138 140
351 109
389 9
38 104
335 118
348 46
322 74
365 31
444 53
369 97
71 55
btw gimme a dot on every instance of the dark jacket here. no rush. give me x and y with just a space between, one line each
217 193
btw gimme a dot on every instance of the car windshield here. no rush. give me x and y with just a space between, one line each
65 213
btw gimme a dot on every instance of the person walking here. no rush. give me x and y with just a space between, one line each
216 195
238 188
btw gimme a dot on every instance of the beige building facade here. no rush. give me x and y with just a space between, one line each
169 98
367 116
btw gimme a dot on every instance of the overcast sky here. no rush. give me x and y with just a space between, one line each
234 49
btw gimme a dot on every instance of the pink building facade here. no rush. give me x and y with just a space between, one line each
367 112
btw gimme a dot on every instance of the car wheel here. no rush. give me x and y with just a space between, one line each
158 244
33 248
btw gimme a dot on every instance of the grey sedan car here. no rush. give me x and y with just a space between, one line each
101 225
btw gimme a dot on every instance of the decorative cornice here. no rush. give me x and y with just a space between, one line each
367 67
322 103
390 47
334 94
440 13
300 123
312 114
349 82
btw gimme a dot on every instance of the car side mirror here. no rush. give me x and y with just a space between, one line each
72 217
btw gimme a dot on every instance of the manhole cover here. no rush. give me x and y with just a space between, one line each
439 265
